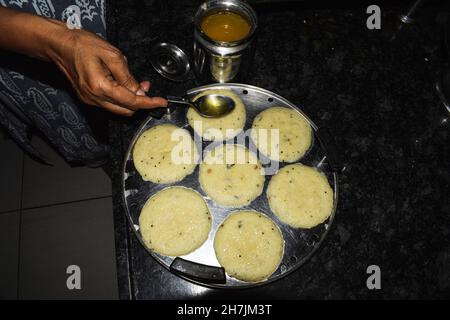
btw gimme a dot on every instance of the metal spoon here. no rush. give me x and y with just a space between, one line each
209 106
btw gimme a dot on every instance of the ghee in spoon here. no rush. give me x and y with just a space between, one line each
225 26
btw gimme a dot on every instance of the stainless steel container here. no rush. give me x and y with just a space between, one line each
201 266
216 61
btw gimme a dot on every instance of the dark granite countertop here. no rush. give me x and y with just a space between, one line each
377 95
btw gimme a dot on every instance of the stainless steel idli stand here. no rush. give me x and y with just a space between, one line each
201 266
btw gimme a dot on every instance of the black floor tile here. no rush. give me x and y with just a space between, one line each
53 238
11 165
9 254
44 185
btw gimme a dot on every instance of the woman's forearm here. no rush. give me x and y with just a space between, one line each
29 34
97 70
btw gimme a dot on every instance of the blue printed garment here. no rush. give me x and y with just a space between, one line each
28 101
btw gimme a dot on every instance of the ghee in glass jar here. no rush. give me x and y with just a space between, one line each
225 26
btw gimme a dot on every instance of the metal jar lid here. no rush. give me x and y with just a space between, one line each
170 61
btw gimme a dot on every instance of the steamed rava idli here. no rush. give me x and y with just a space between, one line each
291 140
165 154
249 246
231 175
300 196
175 221
223 128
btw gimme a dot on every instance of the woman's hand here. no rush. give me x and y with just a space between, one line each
97 70
99 73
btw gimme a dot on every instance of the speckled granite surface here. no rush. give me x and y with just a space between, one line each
378 98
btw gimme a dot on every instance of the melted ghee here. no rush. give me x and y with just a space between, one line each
225 26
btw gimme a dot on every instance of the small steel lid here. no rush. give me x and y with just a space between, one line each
170 61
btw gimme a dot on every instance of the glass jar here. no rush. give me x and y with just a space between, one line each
219 61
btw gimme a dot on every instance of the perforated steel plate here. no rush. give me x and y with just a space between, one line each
300 244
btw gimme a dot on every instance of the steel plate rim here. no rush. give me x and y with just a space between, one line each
248 285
